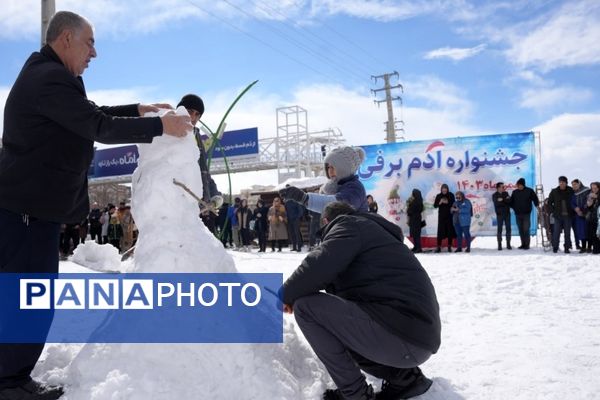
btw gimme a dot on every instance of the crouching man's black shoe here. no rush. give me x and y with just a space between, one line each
400 390
335 394
31 390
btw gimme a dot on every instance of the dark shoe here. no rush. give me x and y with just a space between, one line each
449 249
438 250
32 390
555 250
521 247
525 247
508 246
417 250
391 391
567 251
468 250
332 394
459 250
499 246
583 251
335 394
279 250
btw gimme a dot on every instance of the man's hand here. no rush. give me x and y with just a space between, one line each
144 108
176 125
288 309
293 193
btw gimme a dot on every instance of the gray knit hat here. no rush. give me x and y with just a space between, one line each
345 160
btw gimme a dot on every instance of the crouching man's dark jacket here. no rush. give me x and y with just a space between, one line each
362 259
48 143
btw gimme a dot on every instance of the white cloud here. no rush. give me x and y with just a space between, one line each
454 53
544 99
439 95
566 36
114 97
570 148
397 10
21 18
381 10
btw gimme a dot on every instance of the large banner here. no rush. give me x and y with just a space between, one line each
471 164
122 160
115 161
242 143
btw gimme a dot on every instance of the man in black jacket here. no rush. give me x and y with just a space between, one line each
48 143
380 310
559 201
210 194
501 201
520 201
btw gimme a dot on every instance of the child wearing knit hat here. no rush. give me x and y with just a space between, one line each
341 165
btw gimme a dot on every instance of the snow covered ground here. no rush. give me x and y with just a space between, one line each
516 325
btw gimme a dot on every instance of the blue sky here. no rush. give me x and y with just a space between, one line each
466 67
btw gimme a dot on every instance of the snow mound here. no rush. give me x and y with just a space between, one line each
174 239
99 257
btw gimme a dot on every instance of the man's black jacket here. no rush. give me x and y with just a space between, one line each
521 200
501 207
48 142
362 259
560 201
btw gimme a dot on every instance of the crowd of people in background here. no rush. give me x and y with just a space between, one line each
240 226
110 225
567 208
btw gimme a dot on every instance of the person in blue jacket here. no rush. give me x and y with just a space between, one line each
341 165
462 212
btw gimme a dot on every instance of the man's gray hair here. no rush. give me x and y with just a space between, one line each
64 20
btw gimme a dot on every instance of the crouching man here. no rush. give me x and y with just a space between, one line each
379 313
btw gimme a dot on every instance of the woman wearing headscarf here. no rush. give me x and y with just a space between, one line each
414 212
443 202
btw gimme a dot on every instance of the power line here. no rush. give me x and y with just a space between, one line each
264 43
357 61
297 43
366 52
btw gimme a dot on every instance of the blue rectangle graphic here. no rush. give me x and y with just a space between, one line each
140 308
115 161
242 142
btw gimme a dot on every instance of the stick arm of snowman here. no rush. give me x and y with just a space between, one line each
212 206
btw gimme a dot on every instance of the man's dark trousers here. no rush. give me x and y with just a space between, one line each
26 245
343 335
524 224
295 235
562 224
96 231
504 219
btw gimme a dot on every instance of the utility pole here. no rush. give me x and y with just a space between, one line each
48 10
391 121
